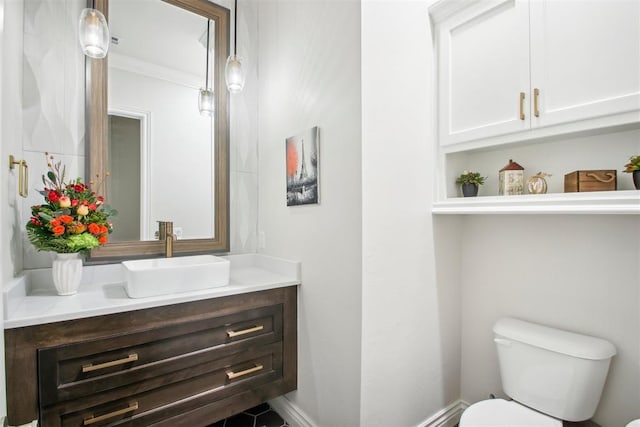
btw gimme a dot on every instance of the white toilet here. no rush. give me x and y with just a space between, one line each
551 375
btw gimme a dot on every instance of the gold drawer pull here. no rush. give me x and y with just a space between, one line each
231 375
90 367
611 176
521 105
256 328
92 420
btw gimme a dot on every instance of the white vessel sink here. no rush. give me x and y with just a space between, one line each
161 276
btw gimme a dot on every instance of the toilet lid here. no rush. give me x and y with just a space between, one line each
504 413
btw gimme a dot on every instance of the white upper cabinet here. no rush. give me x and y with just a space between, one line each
585 58
510 67
483 59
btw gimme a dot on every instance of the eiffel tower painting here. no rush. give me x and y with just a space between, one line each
302 168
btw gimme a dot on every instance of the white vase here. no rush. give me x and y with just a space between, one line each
67 272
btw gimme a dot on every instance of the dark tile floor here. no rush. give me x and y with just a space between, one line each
258 416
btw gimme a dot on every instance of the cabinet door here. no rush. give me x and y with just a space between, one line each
483 57
585 59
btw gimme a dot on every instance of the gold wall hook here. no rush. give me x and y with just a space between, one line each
23 175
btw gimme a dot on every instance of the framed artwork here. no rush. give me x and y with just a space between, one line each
303 168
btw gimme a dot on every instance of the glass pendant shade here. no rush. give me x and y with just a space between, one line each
205 102
93 32
234 74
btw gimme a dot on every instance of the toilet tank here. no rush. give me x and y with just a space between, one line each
556 372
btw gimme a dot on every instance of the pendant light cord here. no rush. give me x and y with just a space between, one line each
206 76
235 28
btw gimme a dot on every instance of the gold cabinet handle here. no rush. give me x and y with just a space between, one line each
611 176
256 328
521 105
536 109
91 367
92 420
23 175
231 375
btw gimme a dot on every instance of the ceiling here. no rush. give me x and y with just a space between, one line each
158 33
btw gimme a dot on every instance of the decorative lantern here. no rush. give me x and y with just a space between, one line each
511 179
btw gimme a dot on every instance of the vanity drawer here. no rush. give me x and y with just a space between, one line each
180 384
178 392
76 370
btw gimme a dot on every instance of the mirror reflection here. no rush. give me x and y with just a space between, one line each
167 162
160 147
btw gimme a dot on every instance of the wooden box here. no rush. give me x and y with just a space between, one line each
593 180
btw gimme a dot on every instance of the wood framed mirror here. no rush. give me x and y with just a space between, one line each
180 173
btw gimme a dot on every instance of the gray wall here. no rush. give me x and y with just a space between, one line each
577 272
124 167
310 76
10 96
411 339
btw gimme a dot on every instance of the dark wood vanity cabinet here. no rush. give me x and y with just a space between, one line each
186 364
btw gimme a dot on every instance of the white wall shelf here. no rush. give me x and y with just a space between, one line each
511 84
602 202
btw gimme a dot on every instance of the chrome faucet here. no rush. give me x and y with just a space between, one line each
165 232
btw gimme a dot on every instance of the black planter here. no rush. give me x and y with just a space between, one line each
469 190
636 179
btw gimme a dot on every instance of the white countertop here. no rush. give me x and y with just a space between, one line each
31 298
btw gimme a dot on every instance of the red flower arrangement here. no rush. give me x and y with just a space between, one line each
73 218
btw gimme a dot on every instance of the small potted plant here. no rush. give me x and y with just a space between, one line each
633 167
470 182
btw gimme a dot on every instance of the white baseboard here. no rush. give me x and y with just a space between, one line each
446 417
290 412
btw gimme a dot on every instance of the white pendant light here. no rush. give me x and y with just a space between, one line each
233 72
93 33
205 102
205 97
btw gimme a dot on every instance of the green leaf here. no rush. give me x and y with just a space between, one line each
43 241
52 177
109 211
45 216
